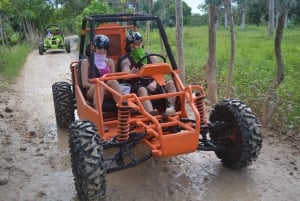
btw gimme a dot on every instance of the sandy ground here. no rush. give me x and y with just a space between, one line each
35 160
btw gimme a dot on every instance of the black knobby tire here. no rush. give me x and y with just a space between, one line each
63 104
88 165
68 46
41 48
243 140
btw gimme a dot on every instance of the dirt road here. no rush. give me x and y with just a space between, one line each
35 160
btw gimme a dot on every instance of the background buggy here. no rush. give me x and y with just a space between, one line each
54 39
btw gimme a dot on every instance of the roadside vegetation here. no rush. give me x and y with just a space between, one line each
255 68
12 59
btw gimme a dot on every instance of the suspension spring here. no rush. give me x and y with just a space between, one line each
72 68
200 104
123 117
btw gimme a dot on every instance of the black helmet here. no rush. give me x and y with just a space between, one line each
132 37
101 41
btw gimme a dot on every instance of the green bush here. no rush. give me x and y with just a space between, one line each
14 39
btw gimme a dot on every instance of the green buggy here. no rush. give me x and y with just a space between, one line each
54 39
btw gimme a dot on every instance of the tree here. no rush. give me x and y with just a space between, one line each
166 9
257 12
210 67
1 31
232 51
34 14
243 7
225 16
294 13
3 7
148 25
289 5
271 17
271 96
179 39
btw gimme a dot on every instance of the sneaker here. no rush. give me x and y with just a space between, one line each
170 111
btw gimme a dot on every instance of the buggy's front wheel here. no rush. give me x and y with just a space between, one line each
87 160
68 46
41 48
241 141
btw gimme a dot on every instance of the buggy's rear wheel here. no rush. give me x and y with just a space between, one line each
87 161
242 140
41 48
68 46
63 104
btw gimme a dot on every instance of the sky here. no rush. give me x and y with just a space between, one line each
193 4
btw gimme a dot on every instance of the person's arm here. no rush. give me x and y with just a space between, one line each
85 74
125 66
112 65
153 59
152 86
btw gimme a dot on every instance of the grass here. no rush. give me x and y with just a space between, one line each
12 59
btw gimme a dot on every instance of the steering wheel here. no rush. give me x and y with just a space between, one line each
139 63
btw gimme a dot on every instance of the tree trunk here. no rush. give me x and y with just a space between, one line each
210 67
271 17
217 23
232 50
148 25
136 6
270 98
226 16
243 19
179 39
1 32
286 19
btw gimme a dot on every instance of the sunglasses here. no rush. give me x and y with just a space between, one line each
99 48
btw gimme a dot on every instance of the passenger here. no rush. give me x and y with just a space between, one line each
144 86
104 65
49 34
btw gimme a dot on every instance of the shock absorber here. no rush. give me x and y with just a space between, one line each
72 69
123 117
201 108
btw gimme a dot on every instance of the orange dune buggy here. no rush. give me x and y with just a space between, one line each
232 130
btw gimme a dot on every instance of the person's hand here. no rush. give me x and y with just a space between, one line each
152 86
134 70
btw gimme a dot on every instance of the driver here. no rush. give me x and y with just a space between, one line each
144 86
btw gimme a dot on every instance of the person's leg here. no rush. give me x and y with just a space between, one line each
96 106
142 91
101 91
170 87
115 85
90 93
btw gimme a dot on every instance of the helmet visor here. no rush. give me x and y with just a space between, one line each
102 46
